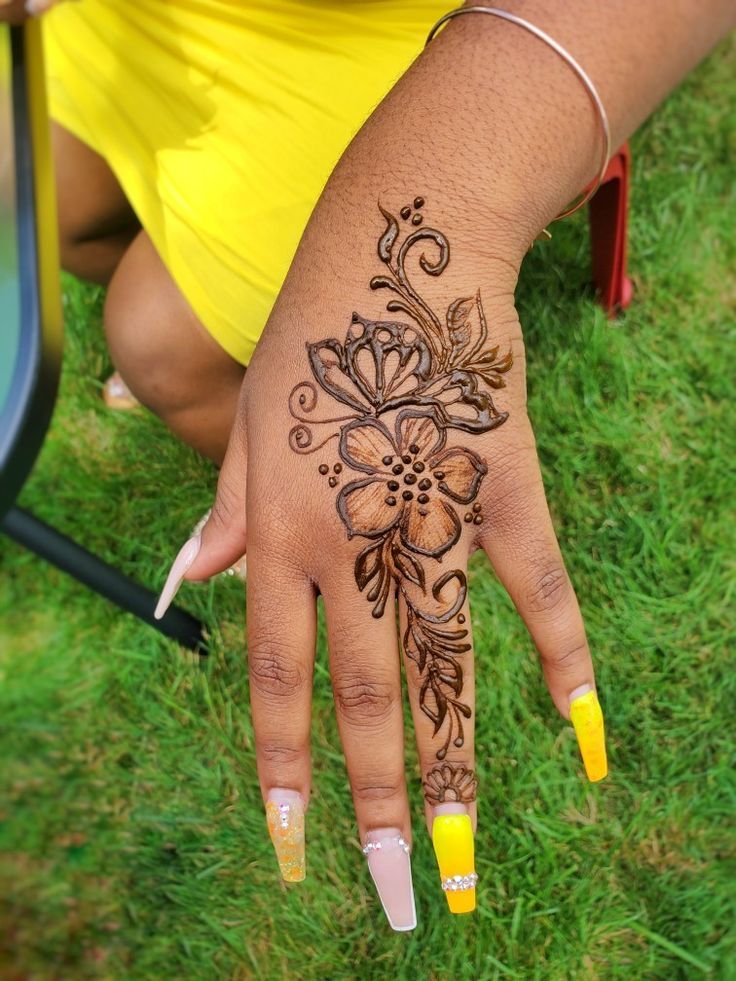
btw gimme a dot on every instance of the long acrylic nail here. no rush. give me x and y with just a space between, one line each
285 816
587 719
187 554
452 837
390 867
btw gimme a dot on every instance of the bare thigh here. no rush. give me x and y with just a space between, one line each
168 359
96 222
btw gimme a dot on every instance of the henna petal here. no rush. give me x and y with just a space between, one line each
463 470
415 427
430 530
364 443
363 509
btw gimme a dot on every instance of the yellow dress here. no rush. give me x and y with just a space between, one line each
222 121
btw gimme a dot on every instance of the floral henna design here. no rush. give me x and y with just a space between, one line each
450 783
402 387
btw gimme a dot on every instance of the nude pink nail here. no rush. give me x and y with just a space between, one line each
390 867
187 554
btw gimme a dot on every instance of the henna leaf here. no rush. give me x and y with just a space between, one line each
409 567
493 381
458 322
386 241
438 713
414 644
489 369
368 564
487 358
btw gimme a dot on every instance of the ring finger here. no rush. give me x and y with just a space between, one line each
438 653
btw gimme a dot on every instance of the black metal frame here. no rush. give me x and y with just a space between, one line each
25 417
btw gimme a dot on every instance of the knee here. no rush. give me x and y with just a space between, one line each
142 351
166 357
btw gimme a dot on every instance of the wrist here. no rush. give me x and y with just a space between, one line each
491 122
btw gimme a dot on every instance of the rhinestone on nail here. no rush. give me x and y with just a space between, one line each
460 883
371 846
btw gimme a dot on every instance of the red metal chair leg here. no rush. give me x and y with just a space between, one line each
608 209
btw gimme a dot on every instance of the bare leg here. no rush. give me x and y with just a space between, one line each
167 358
96 222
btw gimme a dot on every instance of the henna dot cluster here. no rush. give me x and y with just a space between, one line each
475 516
409 470
407 213
323 469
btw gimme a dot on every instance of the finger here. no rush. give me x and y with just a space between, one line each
281 640
222 539
438 654
366 680
522 546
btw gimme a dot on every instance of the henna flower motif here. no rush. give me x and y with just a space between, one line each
410 479
380 366
449 784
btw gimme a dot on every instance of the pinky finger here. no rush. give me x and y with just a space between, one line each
526 556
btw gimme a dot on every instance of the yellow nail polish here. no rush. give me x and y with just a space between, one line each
285 816
587 719
452 837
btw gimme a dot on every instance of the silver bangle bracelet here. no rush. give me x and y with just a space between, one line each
577 68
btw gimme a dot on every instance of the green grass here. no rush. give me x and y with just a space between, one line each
132 838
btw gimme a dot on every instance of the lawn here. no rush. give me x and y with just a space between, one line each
132 837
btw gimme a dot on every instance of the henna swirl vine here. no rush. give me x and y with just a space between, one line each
405 386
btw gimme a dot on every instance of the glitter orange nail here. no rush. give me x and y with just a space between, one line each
285 816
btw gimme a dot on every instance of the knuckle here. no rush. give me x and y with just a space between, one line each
362 701
548 590
566 658
274 672
229 505
279 754
516 485
369 791
278 532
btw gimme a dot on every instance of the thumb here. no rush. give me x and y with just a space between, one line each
222 540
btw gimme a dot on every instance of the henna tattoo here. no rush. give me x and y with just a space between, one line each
449 784
404 386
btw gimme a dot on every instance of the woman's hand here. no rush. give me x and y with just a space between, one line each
385 420
384 415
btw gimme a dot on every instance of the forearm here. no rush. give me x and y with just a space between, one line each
492 122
